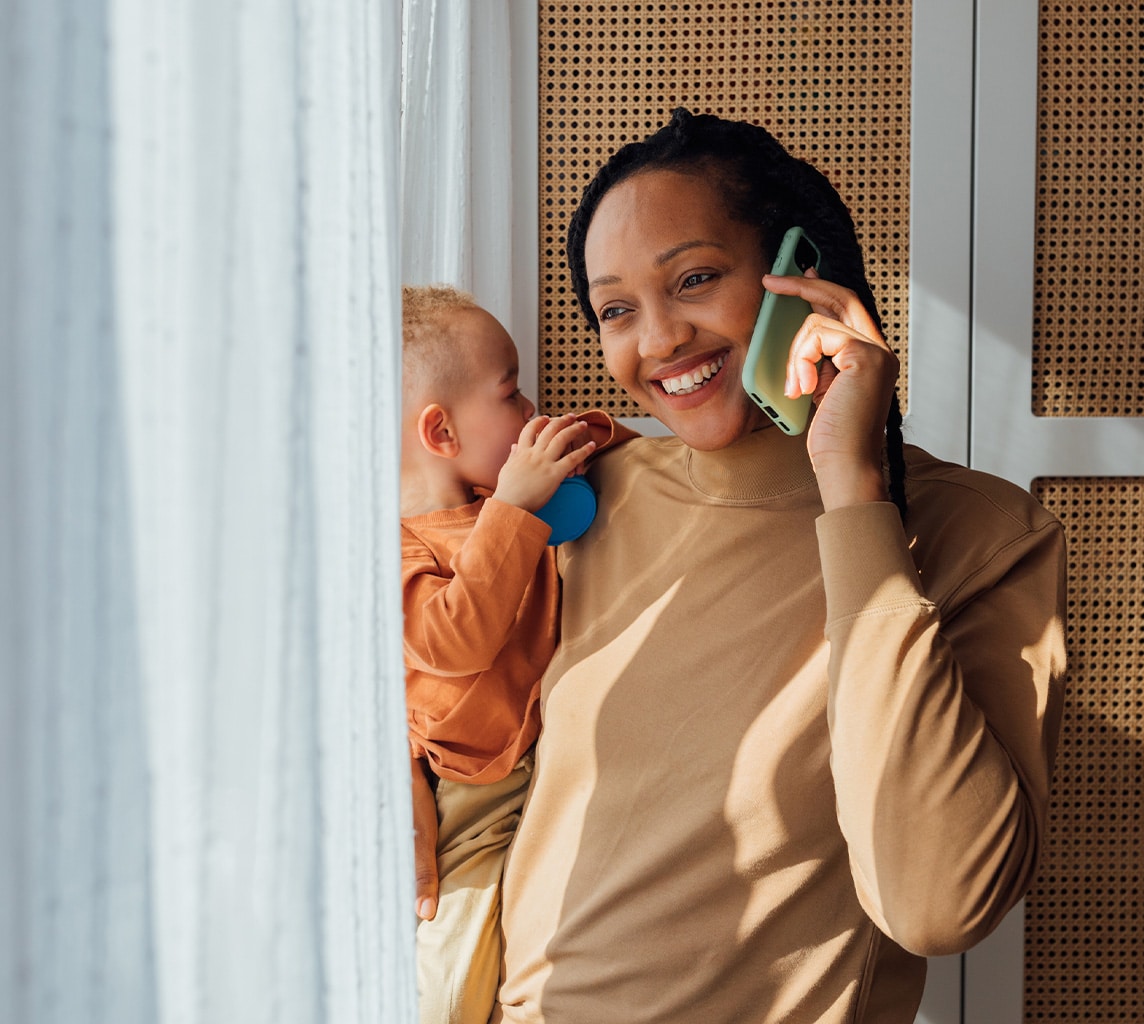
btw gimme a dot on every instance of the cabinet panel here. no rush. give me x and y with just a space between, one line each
1055 406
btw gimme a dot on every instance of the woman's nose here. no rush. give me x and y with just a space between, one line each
529 409
664 332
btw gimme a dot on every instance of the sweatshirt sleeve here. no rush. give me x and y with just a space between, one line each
605 431
944 711
458 617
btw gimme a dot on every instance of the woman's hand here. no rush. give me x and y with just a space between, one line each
851 389
424 841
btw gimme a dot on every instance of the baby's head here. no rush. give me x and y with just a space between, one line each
461 407
433 344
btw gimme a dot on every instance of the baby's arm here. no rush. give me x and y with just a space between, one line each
460 608
460 605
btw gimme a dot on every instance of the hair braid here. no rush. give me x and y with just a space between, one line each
764 186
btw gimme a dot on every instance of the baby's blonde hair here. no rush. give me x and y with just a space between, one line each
429 344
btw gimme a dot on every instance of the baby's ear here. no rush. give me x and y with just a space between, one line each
437 433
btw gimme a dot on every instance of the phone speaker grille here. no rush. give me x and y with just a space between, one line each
830 80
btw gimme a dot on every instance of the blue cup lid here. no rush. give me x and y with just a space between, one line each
570 510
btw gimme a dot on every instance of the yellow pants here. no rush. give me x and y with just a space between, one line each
459 951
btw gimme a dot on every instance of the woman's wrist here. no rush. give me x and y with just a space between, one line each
850 484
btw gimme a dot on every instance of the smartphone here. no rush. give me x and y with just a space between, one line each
780 317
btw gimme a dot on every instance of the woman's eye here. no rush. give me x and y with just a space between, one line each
612 312
693 280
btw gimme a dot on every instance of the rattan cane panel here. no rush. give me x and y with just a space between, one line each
1084 933
830 79
1088 355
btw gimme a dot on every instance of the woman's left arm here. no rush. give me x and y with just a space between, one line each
944 713
946 656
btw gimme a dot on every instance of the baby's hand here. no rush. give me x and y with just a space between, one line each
424 841
547 451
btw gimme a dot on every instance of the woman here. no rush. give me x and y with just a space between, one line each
797 735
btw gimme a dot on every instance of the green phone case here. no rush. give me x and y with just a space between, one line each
780 317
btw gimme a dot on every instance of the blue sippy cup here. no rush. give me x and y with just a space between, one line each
570 510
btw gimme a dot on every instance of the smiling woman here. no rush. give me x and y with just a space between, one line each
797 736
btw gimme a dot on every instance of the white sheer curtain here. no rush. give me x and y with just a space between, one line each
467 90
203 781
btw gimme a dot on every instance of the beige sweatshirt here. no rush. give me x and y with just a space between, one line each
782 748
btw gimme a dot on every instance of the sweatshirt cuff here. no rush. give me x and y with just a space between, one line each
604 430
866 562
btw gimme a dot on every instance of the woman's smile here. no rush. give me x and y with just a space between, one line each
690 381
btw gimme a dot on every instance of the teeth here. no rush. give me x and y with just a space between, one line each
693 381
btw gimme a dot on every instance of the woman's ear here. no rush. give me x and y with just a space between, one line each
437 433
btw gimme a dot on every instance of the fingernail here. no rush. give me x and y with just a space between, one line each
426 908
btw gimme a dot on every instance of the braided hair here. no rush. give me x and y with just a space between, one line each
764 186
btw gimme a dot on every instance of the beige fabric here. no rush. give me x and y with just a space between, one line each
459 951
780 748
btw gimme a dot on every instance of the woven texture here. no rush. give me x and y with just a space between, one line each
830 80
1088 356
1083 939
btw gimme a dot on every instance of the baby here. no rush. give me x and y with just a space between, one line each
481 596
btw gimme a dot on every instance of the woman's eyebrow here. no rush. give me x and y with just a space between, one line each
675 250
661 259
605 279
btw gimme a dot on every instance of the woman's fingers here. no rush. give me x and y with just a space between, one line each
830 300
824 347
839 336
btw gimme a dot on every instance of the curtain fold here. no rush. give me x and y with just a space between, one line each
457 148
205 805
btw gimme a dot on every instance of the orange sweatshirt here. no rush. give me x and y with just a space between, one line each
481 601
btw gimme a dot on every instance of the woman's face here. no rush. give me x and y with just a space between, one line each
676 284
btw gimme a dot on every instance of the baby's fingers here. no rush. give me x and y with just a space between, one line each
576 457
532 429
560 433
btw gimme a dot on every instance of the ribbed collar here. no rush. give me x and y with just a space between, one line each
764 465
448 516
